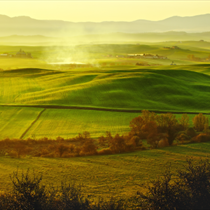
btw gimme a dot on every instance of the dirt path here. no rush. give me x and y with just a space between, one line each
39 115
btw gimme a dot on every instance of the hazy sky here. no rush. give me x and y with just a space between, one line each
103 10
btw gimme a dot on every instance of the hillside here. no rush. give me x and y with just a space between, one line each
170 88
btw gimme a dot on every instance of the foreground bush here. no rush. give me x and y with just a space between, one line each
189 189
29 194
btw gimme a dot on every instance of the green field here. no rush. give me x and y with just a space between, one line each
60 122
171 88
116 175
181 88
15 122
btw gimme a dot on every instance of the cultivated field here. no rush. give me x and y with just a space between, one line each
171 88
27 122
165 88
110 175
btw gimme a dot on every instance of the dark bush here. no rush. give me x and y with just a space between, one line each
202 137
190 190
28 192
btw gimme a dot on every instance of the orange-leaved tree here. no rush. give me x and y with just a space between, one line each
200 122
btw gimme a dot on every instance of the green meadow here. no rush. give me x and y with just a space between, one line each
39 99
16 122
35 85
167 88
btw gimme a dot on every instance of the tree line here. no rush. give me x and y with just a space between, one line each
148 130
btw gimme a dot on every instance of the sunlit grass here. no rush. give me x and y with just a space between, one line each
117 175
179 88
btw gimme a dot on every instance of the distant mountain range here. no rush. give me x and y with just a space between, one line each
24 25
112 38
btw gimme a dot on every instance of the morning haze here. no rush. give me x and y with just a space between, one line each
100 99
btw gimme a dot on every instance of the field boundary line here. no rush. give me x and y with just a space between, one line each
101 109
39 115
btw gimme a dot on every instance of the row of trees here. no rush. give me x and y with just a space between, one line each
159 130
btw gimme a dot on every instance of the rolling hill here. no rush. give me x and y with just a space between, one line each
170 88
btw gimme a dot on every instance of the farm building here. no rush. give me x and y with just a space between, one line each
168 48
5 55
146 56
20 54
175 47
23 54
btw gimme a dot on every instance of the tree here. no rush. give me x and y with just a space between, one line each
88 148
61 149
148 116
200 122
152 135
167 123
184 121
117 144
20 148
83 137
136 126
71 148
102 141
136 141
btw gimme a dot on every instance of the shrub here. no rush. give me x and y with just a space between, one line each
105 152
189 191
88 148
182 137
71 198
61 148
111 204
13 154
29 194
136 141
202 137
191 132
117 144
102 141
44 152
163 143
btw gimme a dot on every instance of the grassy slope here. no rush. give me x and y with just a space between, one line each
157 88
68 123
116 175
14 121
65 123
